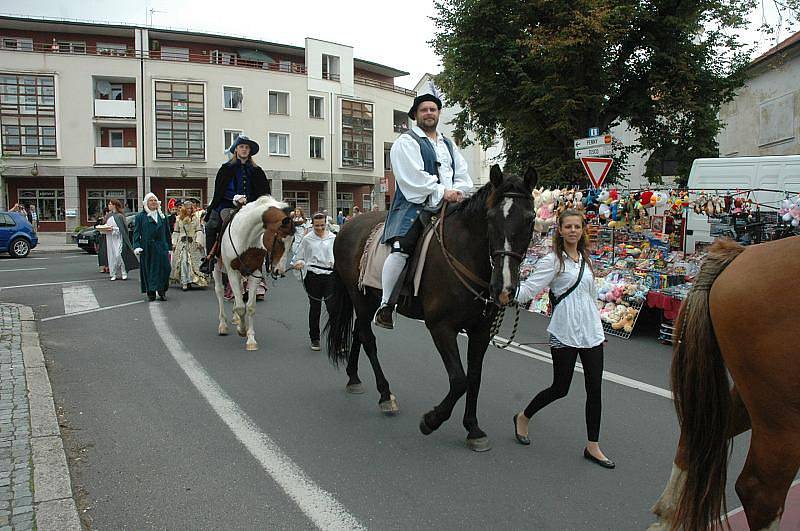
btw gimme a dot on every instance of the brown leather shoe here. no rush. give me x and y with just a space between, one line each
384 318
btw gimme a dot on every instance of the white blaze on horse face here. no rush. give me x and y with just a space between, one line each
507 204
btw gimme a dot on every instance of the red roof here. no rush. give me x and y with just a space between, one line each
782 46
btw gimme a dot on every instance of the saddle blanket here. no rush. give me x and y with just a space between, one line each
375 254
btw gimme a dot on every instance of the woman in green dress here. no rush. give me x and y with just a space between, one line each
152 243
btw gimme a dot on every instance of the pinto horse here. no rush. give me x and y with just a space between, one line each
260 229
487 236
733 321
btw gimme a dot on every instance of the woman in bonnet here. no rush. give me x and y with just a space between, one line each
152 243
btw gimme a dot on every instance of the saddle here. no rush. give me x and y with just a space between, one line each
226 215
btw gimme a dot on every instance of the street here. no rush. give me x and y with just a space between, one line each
170 426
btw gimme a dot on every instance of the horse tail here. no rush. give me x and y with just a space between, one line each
339 328
702 399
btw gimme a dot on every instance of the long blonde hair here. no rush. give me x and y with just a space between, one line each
583 243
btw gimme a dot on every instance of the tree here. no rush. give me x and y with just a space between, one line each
542 72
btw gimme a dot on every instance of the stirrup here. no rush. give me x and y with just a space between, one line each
383 317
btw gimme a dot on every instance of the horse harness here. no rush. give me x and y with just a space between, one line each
251 254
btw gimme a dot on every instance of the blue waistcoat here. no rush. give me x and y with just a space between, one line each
403 212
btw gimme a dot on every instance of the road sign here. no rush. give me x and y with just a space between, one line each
596 169
593 141
594 131
597 151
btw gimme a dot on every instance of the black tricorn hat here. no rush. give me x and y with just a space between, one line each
412 113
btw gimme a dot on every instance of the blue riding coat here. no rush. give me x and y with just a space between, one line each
403 212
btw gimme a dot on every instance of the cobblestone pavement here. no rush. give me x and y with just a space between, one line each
16 466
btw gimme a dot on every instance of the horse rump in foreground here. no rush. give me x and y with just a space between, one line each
260 229
732 320
488 234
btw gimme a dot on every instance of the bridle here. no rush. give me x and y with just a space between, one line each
503 252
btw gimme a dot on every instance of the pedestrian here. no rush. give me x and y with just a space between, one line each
238 181
301 228
575 328
34 217
315 259
188 250
429 172
102 252
356 211
119 252
339 218
152 244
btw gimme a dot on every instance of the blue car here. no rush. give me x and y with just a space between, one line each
16 235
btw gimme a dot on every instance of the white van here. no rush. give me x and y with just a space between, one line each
727 175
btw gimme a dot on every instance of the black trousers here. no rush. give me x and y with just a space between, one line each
318 287
563 367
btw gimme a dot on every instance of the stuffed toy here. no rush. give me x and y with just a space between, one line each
629 319
645 198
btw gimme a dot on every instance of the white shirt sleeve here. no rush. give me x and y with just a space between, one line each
301 252
461 179
542 276
114 225
410 175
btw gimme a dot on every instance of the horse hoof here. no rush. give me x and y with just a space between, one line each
355 388
481 444
389 407
222 330
242 333
424 428
251 346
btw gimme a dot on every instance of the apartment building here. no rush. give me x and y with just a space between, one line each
90 112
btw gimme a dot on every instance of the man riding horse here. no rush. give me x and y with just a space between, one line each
428 172
238 181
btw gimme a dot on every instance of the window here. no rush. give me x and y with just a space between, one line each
278 102
315 147
182 194
180 120
229 136
387 159
315 106
232 98
298 200
49 203
322 201
357 134
97 200
71 47
223 58
400 121
366 202
7 221
174 54
106 48
116 91
28 115
330 67
115 138
16 43
344 202
279 144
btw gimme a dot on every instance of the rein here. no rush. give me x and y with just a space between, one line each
269 255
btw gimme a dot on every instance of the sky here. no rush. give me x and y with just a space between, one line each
394 34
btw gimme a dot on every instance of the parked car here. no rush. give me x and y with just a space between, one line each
17 236
89 239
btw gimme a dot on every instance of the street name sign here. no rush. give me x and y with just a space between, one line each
597 169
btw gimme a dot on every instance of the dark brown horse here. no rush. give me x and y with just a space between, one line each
736 319
488 233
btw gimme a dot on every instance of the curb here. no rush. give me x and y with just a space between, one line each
53 503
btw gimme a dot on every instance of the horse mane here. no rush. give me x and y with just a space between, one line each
262 203
483 198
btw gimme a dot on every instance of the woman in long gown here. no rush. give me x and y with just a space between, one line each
152 243
188 250
119 252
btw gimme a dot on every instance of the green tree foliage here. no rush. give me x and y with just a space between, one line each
542 72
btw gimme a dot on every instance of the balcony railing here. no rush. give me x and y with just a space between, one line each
115 156
384 85
330 76
115 108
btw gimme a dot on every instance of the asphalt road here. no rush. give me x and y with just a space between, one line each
171 426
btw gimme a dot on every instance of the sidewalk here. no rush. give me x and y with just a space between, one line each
35 486
55 242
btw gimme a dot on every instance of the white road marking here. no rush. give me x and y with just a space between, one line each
23 269
541 355
78 298
75 314
317 504
48 284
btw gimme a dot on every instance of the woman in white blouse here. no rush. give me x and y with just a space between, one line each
575 328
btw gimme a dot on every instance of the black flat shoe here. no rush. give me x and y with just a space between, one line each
162 297
520 438
605 463
151 296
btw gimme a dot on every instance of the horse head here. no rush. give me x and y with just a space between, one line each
510 218
278 237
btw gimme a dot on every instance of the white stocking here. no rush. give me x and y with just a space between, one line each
392 268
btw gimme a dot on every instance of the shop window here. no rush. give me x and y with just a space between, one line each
97 200
182 194
344 202
297 199
49 202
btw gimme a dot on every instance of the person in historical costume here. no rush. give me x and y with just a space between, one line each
152 244
428 171
119 252
188 250
102 253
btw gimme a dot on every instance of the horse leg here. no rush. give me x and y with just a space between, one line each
354 385
387 401
444 337
476 350
219 290
252 286
664 508
235 280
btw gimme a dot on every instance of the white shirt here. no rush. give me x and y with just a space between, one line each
576 319
418 185
316 251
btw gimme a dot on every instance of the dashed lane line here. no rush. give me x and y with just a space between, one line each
48 284
84 312
78 298
22 269
317 504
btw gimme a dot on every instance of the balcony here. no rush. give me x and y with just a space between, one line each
384 85
115 109
115 156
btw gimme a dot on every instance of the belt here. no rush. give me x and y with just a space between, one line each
322 268
186 239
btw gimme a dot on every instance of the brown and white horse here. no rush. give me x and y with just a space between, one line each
738 319
261 229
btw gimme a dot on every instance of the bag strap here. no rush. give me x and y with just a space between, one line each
555 300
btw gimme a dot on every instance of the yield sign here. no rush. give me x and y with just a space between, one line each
596 169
